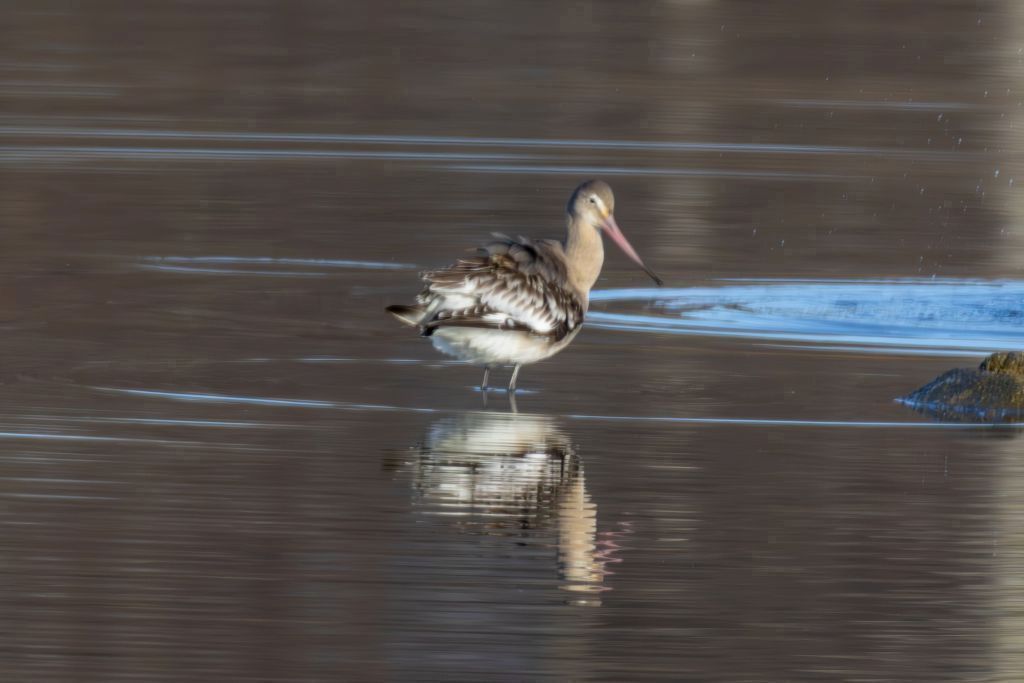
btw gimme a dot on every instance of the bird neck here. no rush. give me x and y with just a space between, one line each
584 252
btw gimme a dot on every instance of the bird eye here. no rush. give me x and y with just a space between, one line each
593 201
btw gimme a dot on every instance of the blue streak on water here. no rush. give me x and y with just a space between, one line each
933 317
711 421
865 281
769 422
441 140
877 104
232 424
46 436
222 398
622 170
53 496
26 152
338 359
256 400
880 350
268 260
925 346
429 363
230 271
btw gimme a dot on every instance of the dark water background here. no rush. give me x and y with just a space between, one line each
219 460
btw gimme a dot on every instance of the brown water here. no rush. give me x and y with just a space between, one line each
221 460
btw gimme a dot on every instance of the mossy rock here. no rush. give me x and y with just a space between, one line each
992 393
1006 363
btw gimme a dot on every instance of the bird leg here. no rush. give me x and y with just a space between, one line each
483 384
512 382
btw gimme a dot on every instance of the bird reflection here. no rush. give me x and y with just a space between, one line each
516 476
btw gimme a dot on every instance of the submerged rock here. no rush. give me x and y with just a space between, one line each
992 393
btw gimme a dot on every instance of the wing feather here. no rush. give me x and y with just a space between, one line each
513 284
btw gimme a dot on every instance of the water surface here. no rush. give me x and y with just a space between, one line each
220 460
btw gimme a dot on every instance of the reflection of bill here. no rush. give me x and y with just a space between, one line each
517 476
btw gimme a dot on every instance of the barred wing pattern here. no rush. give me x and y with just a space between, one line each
514 284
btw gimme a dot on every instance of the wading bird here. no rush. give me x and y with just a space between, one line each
520 300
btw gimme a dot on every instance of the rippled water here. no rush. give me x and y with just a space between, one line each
944 317
220 460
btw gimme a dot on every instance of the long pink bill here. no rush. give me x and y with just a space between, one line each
612 228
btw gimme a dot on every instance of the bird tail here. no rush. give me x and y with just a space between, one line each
410 315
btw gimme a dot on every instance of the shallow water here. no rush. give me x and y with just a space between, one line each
220 460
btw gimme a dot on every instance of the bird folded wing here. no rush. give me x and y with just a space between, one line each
498 293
